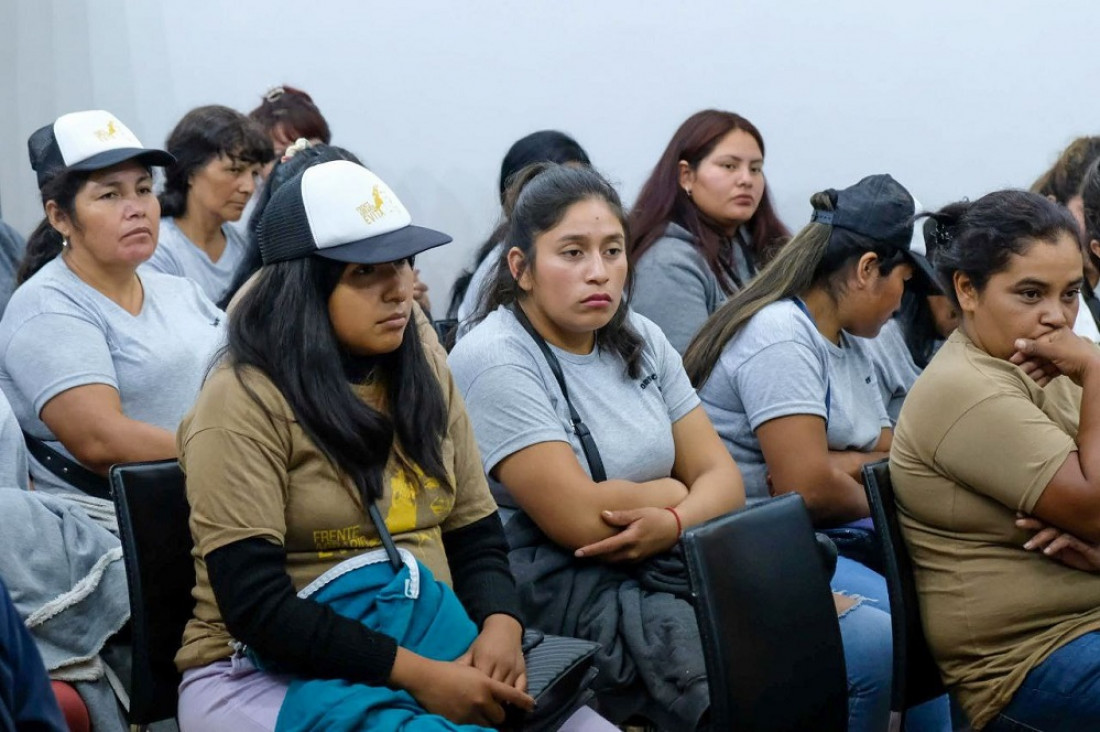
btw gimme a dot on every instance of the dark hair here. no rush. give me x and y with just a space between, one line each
1063 180
918 325
979 238
544 146
281 326
292 112
1090 202
203 134
662 200
45 242
283 171
818 255
548 190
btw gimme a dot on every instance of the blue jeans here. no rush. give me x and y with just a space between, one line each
853 578
865 632
1061 693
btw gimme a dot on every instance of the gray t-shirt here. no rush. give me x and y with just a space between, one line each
177 255
58 333
13 450
894 367
12 248
514 400
779 365
676 288
468 307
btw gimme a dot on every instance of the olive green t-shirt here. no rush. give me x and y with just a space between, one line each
250 475
977 441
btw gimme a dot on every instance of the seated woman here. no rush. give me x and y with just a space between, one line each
792 393
99 363
286 114
657 466
219 154
328 417
703 223
544 146
987 435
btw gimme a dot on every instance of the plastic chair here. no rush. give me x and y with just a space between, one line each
151 503
916 676
771 638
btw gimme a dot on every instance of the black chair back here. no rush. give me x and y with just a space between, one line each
151 502
771 638
916 676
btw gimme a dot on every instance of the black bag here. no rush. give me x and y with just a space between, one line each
560 672
861 545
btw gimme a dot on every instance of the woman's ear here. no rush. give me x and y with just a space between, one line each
1094 247
867 269
687 177
517 265
965 291
58 219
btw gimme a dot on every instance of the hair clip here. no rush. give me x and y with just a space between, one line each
296 147
274 94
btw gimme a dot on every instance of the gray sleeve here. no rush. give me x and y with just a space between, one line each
54 352
13 450
670 289
510 410
783 379
676 389
163 261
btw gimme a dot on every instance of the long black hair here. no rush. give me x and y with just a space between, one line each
544 146
281 327
283 171
46 242
547 190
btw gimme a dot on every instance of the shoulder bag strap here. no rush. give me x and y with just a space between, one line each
67 470
588 442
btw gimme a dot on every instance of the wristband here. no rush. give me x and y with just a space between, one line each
679 524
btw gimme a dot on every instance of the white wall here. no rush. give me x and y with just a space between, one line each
953 98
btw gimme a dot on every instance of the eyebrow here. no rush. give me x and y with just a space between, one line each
1033 282
570 238
741 159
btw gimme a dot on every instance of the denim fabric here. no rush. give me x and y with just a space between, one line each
1061 694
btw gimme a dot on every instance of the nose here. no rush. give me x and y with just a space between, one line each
1058 314
398 283
597 270
744 176
247 182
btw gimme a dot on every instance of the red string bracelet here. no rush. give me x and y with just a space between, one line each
679 524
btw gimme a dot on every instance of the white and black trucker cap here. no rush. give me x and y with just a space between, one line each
87 141
342 211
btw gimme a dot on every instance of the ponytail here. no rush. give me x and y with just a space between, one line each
46 242
794 269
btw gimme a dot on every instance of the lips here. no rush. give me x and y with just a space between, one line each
599 297
142 231
395 318
744 200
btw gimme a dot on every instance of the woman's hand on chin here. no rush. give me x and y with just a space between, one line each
1058 544
644 532
1059 352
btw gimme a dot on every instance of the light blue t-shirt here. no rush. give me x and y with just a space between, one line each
514 400
894 367
177 255
478 281
780 365
58 333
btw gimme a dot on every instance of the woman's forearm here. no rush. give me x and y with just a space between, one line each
123 440
716 491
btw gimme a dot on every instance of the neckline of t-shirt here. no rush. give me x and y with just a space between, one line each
561 353
835 349
229 243
146 295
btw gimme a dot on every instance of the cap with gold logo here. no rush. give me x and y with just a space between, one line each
88 140
342 211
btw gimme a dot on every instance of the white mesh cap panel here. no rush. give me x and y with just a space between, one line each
80 135
349 203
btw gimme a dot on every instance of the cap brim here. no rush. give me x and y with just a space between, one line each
925 269
389 247
108 158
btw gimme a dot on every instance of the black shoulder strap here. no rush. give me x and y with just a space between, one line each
588 443
69 471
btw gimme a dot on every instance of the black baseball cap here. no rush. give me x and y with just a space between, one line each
879 208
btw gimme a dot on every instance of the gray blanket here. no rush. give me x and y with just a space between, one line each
67 580
651 657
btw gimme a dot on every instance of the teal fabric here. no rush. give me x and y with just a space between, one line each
423 615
